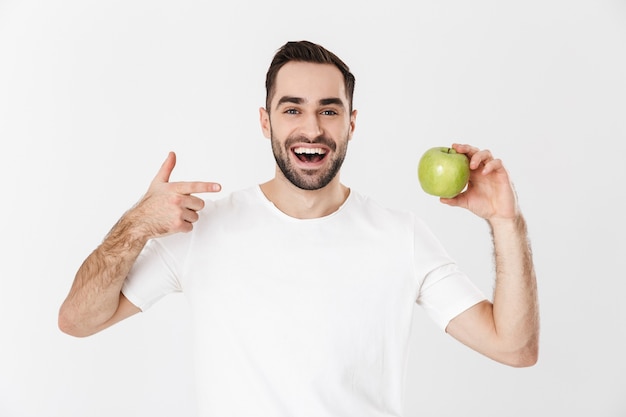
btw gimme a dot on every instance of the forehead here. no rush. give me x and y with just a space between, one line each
309 81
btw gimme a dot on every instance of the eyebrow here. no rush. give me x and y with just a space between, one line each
289 99
300 100
331 100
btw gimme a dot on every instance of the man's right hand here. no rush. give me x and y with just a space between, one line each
168 207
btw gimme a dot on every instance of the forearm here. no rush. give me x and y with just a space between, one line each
95 293
515 303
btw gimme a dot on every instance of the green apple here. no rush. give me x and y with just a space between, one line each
443 172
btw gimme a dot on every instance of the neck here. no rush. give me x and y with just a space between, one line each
305 204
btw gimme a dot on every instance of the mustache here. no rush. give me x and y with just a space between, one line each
321 139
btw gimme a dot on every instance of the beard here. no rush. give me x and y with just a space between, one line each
310 179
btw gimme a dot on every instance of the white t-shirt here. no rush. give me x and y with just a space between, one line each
302 317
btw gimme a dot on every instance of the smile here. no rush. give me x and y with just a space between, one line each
309 155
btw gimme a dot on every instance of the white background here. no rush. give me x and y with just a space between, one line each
94 93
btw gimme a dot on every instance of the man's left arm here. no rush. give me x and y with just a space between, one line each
506 330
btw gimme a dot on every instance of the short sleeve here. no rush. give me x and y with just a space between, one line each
446 293
444 290
154 275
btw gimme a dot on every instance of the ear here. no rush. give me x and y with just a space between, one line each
264 118
352 123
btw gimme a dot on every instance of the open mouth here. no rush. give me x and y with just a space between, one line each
309 155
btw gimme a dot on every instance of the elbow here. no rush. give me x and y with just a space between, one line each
67 326
70 325
524 357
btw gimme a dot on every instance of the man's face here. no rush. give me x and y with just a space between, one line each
309 123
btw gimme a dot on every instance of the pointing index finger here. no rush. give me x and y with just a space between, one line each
197 187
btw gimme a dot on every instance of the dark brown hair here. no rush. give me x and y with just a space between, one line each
305 51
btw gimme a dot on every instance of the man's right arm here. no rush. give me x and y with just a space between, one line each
95 301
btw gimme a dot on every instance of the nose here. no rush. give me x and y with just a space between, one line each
311 127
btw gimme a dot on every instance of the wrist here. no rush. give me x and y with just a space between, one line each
516 224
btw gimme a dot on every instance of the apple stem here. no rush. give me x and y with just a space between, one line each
449 149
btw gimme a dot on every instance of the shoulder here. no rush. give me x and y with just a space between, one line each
387 218
239 199
375 211
240 208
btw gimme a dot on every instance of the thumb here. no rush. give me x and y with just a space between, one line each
166 169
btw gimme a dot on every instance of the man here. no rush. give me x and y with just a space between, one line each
302 289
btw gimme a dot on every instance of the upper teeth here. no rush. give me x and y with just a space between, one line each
310 150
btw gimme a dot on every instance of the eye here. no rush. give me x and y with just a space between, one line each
291 111
329 113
